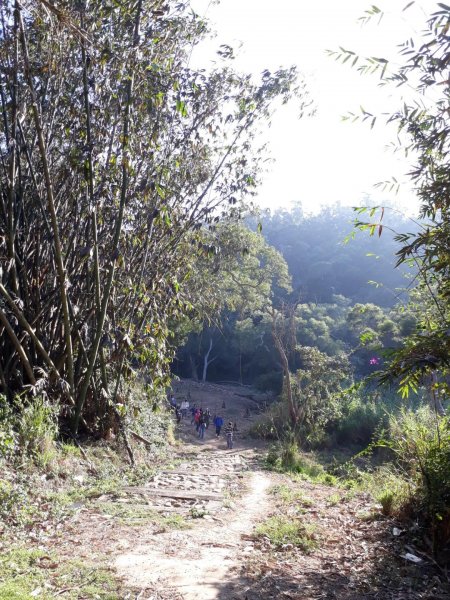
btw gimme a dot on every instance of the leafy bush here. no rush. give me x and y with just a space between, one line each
28 428
143 414
271 381
389 486
14 503
420 441
360 418
414 480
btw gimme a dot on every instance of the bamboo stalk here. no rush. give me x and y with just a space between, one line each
63 284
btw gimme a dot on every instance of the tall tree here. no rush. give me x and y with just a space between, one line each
115 155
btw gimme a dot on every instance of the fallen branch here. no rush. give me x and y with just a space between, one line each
140 438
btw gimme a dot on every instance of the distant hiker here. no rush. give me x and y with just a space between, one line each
218 423
193 411
173 402
201 427
229 433
207 416
178 414
184 409
198 415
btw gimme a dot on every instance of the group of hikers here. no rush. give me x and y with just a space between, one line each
201 418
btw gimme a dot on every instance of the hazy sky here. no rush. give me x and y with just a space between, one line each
322 160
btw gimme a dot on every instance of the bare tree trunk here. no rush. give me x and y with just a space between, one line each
19 348
433 395
278 341
194 372
92 201
207 361
13 143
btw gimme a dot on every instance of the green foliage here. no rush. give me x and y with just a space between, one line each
147 416
425 133
325 319
421 443
28 429
361 413
389 486
24 575
136 186
14 503
289 495
281 531
8 435
285 457
414 479
272 381
36 429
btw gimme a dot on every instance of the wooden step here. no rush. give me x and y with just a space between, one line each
174 493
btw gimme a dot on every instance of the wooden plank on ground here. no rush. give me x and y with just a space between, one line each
188 473
174 493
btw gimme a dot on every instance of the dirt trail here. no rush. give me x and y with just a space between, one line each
215 485
196 563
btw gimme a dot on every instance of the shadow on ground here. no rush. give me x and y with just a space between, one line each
283 576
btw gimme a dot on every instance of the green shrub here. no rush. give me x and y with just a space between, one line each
359 421
36 425
387 500
280 531
143 414
15 506
420 445
285 456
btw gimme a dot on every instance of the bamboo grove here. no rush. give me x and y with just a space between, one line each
115 157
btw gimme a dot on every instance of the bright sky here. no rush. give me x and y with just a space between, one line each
322 160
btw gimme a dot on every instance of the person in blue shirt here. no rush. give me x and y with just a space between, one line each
218 422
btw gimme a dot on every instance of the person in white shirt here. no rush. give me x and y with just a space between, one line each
184 408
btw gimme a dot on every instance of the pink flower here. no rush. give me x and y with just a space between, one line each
374 361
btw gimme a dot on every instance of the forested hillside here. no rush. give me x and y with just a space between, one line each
343 284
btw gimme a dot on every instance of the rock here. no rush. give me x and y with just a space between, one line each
287 547
412 558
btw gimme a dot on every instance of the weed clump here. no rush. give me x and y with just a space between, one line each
285 457
282 531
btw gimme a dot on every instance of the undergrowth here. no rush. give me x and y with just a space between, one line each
406 469
285 457
26 574
282 531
